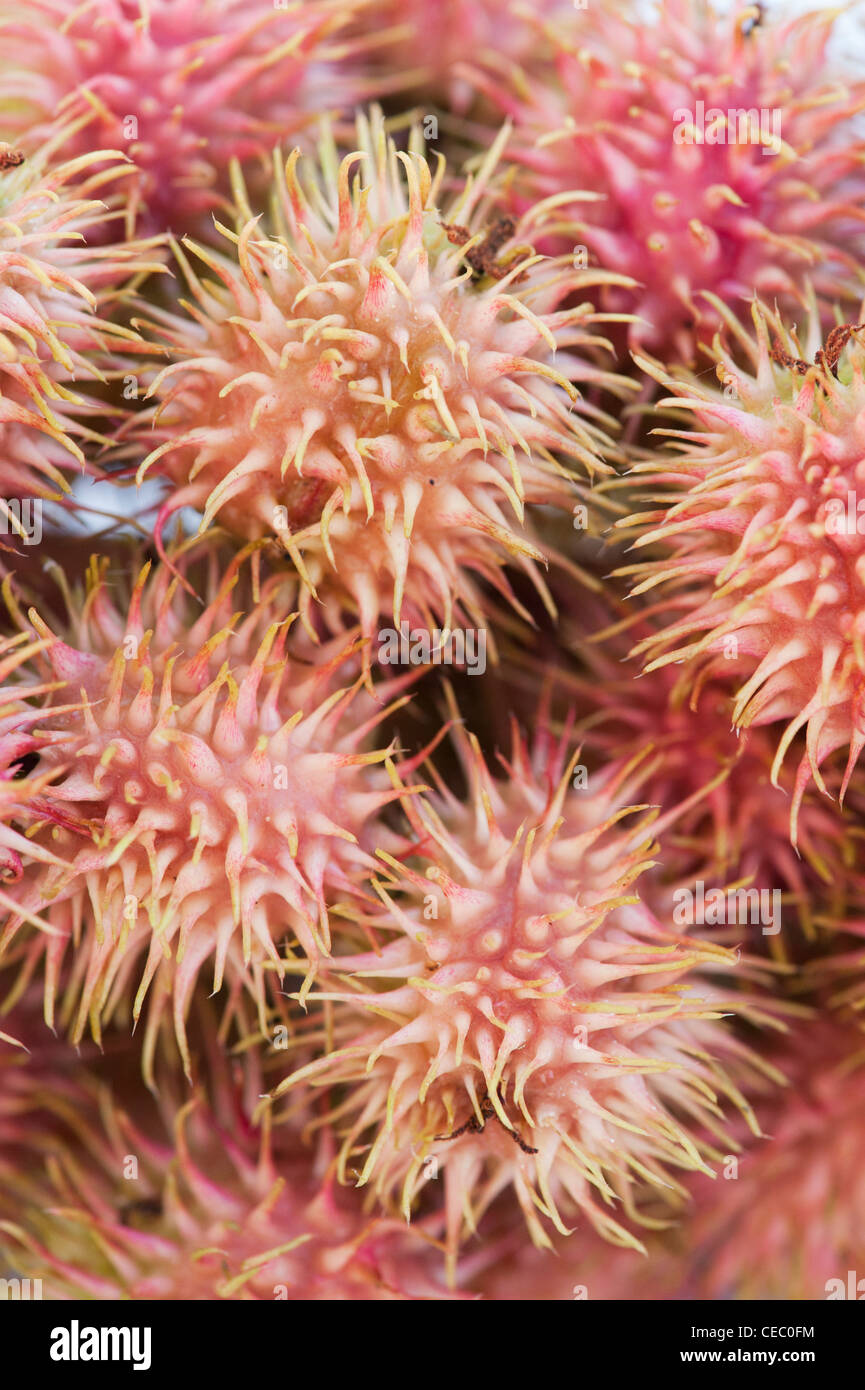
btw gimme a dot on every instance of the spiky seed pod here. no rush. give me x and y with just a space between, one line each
346 386
762 563
214 1210
214 793
57 295
183 86
725 150
533 1025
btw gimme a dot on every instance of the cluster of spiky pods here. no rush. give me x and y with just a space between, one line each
432 664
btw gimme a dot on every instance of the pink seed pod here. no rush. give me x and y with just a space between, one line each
760 560
724 151
382 384
531 1024
214 793
181 86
